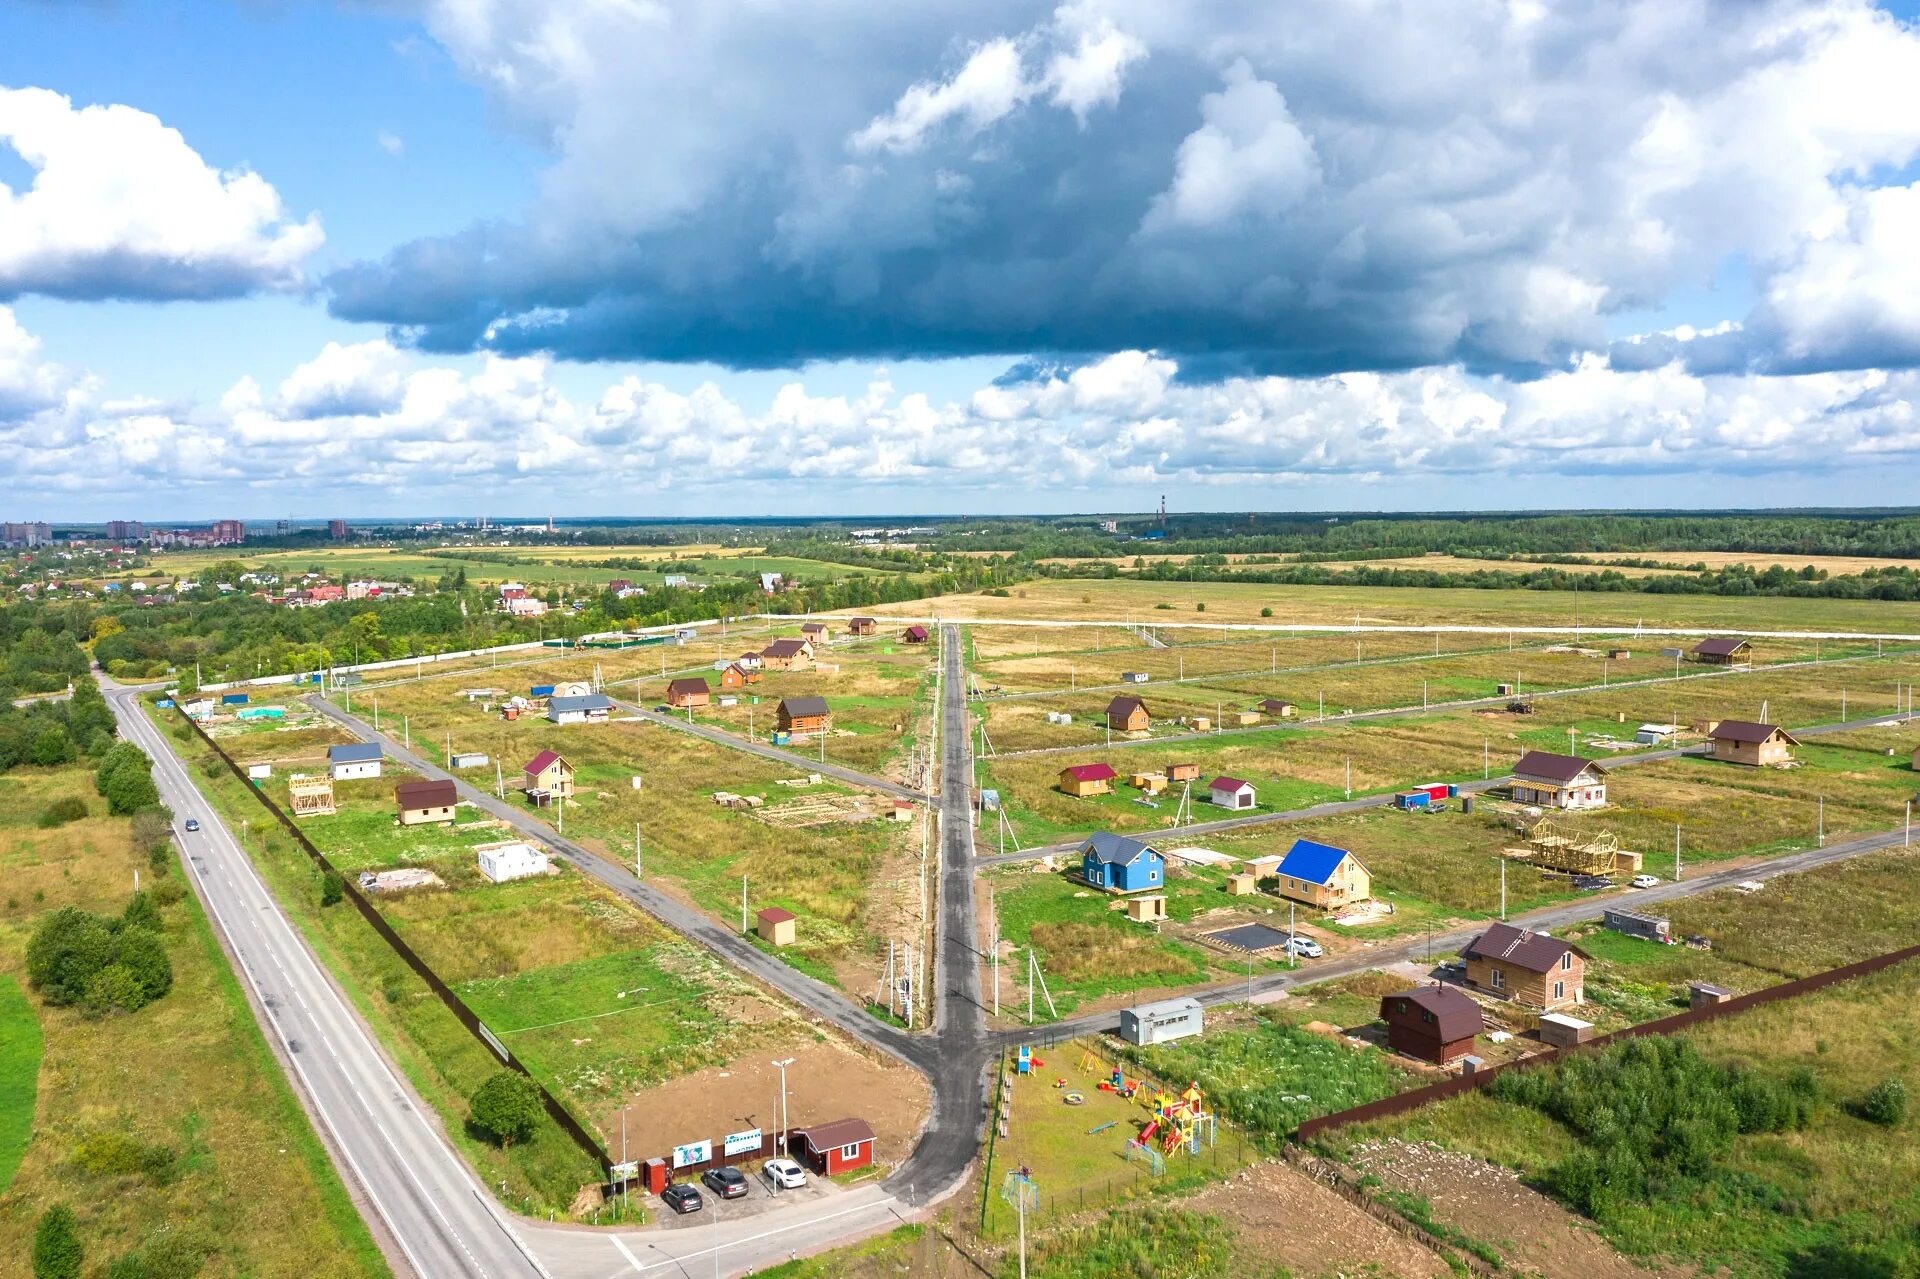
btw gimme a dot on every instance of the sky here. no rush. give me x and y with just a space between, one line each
651 258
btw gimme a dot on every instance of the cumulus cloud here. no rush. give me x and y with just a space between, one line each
28 383
1249 188
122 207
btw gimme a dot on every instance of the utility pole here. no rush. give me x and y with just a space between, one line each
1293 956
1676 852
1349 777
1821 831
636 850
743 905
783 1063
1486 758
1503 890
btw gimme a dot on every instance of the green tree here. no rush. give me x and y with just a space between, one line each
144 954
115 988
507 1107
142 912
152 835
1885 1103
53 745
332 891
68 948
56 1245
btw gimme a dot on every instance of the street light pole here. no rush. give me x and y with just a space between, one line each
783 1063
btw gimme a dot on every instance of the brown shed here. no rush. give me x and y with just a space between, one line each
1722 652
1128 714
776 926
801 715
914 635
1432 1023
1278 707
1740 741
691 691
424 802
1183 772
1527 967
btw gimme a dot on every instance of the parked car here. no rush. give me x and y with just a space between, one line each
1646 881
193 823
1305 947
682 1198
785 1174
728 1183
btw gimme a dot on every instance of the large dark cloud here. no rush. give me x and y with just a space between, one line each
1253 190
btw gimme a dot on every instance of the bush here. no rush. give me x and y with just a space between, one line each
115 989
332 891
61 811
142 912
152 835
1885 1104
143 954
56 1245
1266 612
68 948
1201 607
507 1107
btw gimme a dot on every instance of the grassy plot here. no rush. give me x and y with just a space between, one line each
171 1131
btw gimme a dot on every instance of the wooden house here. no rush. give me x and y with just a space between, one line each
863 626
815 632
1121 865
787 655
1127 714
737 676
1527 967
1432 1023
1721 652
690 691
831 1149
1322 876
1740 741
914 635
427 801
1085 780
803 715
1559 781
1278 707
548 775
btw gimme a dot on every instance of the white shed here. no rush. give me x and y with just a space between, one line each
511 860
353 760
1160 1022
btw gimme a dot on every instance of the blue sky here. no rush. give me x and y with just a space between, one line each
304 258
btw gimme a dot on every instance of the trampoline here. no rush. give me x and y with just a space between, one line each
1252 938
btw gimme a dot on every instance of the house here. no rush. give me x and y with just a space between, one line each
802 715
738 676
1278 707
1721 652
691 691
816 632
1157 1023
1085 780
1432 1023
354 760
548 776
1231 792
1127 714
1322 876
771 582
1740 741
1120 864
673 579
1183 772
749 662
525 606
863 626
510 860
423 802
1527 967
619 584
590 709
787 655
1133 677
831 1149
776 926
1559 781
914 635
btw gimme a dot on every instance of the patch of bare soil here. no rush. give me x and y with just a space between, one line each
1281 1218
1532 1234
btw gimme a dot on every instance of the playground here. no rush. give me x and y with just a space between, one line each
1090 1131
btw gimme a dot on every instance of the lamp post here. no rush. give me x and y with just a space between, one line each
783 1063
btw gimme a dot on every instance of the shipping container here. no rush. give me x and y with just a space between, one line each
540 690
1415 799
233 699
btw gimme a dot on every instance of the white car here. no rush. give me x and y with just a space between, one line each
1305 947
784 1174
1646 881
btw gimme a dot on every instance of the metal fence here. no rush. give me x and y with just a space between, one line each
1401 1103
368 911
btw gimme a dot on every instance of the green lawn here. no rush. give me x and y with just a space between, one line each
20 1045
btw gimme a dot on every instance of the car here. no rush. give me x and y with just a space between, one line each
664 709
728 1183
193 823
1646 881
1305 947
785 1174
683 1198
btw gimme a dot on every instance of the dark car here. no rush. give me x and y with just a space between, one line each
664 709
193 823
683 1198
728 1183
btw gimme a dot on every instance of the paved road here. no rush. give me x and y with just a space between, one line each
793 759
423 1199
1444 944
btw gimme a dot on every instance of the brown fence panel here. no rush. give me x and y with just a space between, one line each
1401 1103
457 1006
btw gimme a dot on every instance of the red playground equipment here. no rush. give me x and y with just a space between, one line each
1119 1083
1027 1063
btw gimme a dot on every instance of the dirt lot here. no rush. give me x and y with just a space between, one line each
1532 1234
826 1081
1281 1218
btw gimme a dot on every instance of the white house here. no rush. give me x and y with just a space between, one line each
1559 781
591 708
510 860
354 760
1231 792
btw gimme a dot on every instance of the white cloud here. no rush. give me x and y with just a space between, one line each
122 207
357 380
392 143
982 92
1090 74
1249 157
28 383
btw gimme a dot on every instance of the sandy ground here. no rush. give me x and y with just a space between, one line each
826 1081
1281 1218
1532 1234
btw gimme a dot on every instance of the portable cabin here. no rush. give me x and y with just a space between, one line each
775 926
803 715
354 760
1158 1023
1322 876
425 802
1559 781
1231 792
1432 1023
1183 772
468 759
1134 677
834 1148
1527 967
1740 741
1121 865
687 692
1085 780
1635 924
1128 714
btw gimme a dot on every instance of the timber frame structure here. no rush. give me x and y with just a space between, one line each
310 796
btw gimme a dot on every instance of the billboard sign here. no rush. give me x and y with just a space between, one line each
741 1143
698 1152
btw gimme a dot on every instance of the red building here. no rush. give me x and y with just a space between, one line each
829 1149
1432 1023
228 532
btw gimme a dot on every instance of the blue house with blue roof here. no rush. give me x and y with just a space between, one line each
1322 876
1121 865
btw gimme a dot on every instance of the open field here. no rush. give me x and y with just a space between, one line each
226 1165
20 1047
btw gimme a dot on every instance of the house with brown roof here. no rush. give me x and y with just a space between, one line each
749 661
1722 652
1278 707
1128 714
738 676
1527 967
1085 780
1432 1023
1741 741
1231 792
424 802
787 655
863 626
914 635
802 715
817 632
1559 781
547 777
689 691
831 1149
1183 772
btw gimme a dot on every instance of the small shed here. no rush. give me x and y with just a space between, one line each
1147 910
692 690
914 635
1161 1022
1128 714
775 926
1702 994
1655 734
424 802
1241 884
831 1149
1557 1030
1278 707
1231 792
354 760
1431 1023
1740 741
1183 772
1133 677
1084 780
1120 864
468 759
1151 783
